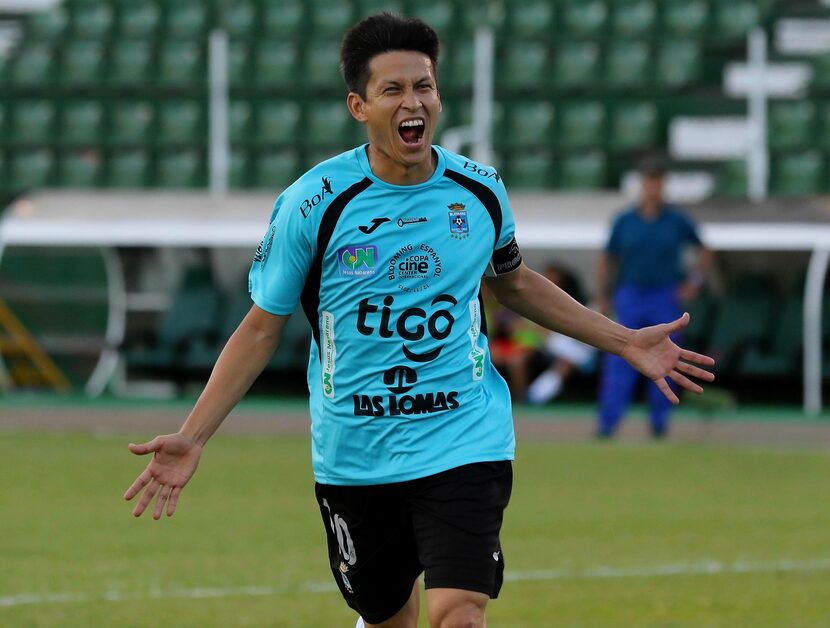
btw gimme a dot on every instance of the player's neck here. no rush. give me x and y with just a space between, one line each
396 173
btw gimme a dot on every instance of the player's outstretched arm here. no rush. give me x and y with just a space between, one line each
176 456
649 350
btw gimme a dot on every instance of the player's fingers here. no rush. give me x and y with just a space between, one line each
697 358
145 448
685 382
164 494
678 324
666 390
173 501
140 482
146 498
690 369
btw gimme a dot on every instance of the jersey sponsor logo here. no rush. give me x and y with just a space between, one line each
329 353
357 261
376 222
312 202
412 324
508 258
264 248
405 222
400 380
413 266
476 354
482 171
459 227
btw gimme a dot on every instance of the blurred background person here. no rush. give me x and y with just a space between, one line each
640 281
560 356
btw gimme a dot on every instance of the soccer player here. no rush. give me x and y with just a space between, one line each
385 247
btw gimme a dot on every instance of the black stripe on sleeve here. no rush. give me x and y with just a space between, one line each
310 298
484 194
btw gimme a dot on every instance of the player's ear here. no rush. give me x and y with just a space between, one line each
357 106
440 102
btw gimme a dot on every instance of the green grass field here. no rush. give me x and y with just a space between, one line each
597 535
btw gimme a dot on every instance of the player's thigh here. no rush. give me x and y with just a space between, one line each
371 546
457 517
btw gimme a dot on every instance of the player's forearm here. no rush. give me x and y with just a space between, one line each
245 355
529 294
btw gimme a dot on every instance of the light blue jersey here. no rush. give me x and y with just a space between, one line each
389 276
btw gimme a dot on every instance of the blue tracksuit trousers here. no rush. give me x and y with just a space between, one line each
635 307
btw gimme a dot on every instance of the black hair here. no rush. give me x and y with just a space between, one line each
384 32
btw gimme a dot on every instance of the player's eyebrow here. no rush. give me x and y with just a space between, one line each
426 78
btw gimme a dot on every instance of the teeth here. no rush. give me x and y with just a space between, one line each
413 123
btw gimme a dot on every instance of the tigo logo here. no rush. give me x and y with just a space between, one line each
357 261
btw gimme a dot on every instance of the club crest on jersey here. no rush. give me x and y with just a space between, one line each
459 228
357 261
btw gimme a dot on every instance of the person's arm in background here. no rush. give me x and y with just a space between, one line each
603 289
176 456
649 350
696 279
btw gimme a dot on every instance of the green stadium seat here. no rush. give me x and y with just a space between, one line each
679 63
581 124
330 19
91 19
129 169
131 122
627 64
823 125
535 18
685 18
184 168
4 121
468 21
278 122
530 169
33 65
138 19
33 121
3 178
82 62
181 63
634 126
529 124
461 61
583 17
275 169
80 169
524 66
284 18
634 18
276 63
577 64
820 81
731 179
240 120
130 62
328 123
50 24
31 168
186 19
582 171
181 122
780 355
82 122
365 8
239 168
238 18
438 14
797 174
239 63
742 320
322 64
733 19
792 124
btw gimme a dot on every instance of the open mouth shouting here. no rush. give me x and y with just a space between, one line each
411 131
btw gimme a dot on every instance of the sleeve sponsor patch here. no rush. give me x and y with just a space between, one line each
505 259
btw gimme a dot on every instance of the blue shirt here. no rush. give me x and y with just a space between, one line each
648 251
400 380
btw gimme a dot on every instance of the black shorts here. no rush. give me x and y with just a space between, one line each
381 537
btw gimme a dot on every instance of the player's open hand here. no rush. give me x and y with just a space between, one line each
653 353
175 458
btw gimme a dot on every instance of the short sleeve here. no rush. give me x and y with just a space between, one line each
614 244
689 230
507 256
282 260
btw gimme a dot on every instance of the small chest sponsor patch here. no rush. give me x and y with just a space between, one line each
357 260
